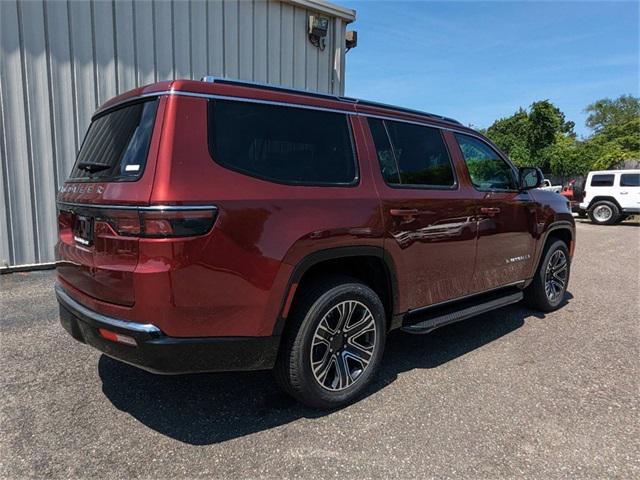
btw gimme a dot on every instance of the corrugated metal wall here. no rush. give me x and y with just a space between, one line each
60 60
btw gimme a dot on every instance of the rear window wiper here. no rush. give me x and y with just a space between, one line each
93 167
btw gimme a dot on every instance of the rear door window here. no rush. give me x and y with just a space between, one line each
630 180
412 155
602 181
488 171
388 165
116 144
281 144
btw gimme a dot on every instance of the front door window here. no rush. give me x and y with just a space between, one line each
487 170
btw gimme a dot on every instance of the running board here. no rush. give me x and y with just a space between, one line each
439 319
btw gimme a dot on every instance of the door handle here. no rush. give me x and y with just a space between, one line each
491 211
404 212
624 193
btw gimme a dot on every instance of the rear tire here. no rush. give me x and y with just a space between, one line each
549 285
604 213
333 343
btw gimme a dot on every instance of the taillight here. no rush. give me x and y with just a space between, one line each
65 220
179 223
124 222
160 222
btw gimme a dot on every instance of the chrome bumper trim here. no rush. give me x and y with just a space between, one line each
82 311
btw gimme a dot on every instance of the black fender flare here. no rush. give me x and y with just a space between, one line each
604 198
320 256
558 225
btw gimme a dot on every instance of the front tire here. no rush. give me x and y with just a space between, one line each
333 344
604 213
547 291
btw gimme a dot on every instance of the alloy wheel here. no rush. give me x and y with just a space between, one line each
343 345
602 213
555 279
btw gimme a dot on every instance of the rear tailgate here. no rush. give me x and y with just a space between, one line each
97 252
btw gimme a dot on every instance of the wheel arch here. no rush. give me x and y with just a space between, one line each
354 261
561 230
605 198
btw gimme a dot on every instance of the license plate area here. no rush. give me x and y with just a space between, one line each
83 230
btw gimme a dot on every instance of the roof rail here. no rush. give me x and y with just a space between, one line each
407 110
264 86
280 88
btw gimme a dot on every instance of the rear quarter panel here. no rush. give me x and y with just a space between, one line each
233 282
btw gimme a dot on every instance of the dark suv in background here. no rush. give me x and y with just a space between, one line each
217 225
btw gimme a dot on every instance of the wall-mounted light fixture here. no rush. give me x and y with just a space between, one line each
350 40
318 28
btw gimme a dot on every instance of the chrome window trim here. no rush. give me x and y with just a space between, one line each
232 98
152 208
264 102
79 309
426 122
346 110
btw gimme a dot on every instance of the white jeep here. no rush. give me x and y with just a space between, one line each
610 196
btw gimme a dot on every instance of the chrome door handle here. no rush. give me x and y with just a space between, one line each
491 211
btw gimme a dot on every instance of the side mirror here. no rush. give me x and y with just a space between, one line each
530 177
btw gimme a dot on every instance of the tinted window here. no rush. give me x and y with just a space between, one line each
630 180
412 154
602 181
116 144
388 165
487 170
282 144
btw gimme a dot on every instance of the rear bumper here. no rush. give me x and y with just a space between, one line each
158 353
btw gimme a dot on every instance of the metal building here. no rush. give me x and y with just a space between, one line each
60 60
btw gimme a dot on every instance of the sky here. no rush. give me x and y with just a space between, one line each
479 61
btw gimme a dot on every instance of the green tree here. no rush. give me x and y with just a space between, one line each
546 121
510 135
542 136
525 136
616 125
606 112
568 157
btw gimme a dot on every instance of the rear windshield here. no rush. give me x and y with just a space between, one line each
116 144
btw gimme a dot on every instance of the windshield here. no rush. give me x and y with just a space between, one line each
116 144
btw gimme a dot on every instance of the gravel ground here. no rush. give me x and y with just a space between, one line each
509 394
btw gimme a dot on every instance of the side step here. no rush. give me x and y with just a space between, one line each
430 320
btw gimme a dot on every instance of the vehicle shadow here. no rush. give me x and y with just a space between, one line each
210 408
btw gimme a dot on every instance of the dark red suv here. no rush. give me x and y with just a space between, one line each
219 225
